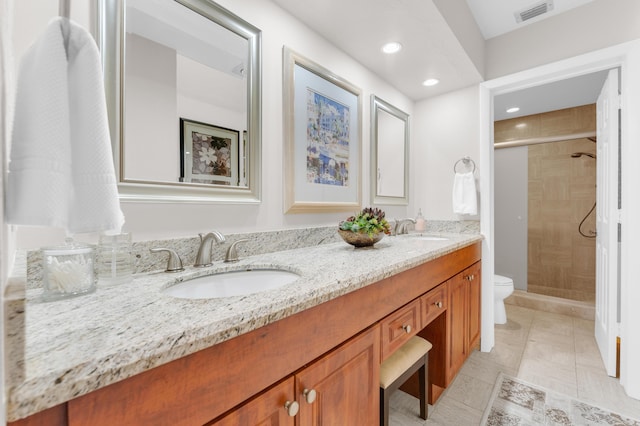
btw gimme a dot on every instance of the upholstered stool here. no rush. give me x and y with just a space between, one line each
411 357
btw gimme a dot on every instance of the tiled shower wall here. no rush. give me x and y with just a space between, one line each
561 191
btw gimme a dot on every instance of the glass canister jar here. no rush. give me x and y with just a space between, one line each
68 270
114 259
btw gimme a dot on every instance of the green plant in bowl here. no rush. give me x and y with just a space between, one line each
364 228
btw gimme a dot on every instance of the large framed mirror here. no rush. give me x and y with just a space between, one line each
183 86
389 154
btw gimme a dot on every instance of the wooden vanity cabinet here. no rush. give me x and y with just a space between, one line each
330 390
333 348
345 382
463 317
270 408
399 327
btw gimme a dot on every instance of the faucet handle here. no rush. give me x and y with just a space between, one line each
174 263
232 252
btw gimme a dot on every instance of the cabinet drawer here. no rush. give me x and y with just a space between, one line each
434 303
398 327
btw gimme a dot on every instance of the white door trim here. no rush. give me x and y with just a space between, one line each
627 57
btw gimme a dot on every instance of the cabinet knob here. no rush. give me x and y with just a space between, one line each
438 304
406 328
309 395
291 408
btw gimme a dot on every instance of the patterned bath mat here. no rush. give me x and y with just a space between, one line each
515 402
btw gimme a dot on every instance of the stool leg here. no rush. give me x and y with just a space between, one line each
384 407
423 380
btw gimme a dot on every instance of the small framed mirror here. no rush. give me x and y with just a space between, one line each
182 79
389 153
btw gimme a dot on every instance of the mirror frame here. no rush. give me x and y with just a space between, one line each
110 40
377 105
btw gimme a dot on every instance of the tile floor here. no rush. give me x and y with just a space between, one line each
555 351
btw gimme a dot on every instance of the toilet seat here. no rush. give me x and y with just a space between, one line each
499 280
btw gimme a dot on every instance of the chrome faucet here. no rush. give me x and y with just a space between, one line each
174 263
401 226
232 252
203 258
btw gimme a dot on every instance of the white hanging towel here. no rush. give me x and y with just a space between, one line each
464 194
61 171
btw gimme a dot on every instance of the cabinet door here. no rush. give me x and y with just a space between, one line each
458 332
346 383
475 288
272 408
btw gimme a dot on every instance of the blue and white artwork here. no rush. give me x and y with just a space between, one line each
328 135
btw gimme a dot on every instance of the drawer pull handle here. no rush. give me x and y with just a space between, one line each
438 304
407 328
309 395
291 408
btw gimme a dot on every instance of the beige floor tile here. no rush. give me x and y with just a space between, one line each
512 331
481 368
583 327
448 411
548 374
553 323
546 349
405 410
470 391
539 335
587 352
596 387
559 352
507 354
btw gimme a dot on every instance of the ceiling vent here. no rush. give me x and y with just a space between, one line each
531 12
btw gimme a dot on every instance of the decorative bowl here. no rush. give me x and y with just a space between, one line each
358 239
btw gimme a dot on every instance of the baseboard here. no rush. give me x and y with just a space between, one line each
540 302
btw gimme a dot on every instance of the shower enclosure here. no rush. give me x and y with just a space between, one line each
544 196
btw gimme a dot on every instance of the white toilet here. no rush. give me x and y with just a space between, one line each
502 288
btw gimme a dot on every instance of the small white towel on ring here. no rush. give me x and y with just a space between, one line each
61 171
464 194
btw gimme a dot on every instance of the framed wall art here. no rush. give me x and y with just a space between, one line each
208 154
322 122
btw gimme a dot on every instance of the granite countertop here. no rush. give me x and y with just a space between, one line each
78 345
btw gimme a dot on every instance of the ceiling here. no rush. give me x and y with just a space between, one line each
361 27
430 46
562 94
496 17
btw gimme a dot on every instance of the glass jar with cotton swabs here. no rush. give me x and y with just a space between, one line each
68 270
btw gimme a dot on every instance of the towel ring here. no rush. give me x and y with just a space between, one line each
465 161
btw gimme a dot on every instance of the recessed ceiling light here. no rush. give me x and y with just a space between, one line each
392 47
431 82
513 109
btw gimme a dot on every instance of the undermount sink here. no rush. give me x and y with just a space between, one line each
233 283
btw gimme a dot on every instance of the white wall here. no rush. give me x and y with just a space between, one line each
593 26
7 239
460 18
148 220
151 151
445 129
510 211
